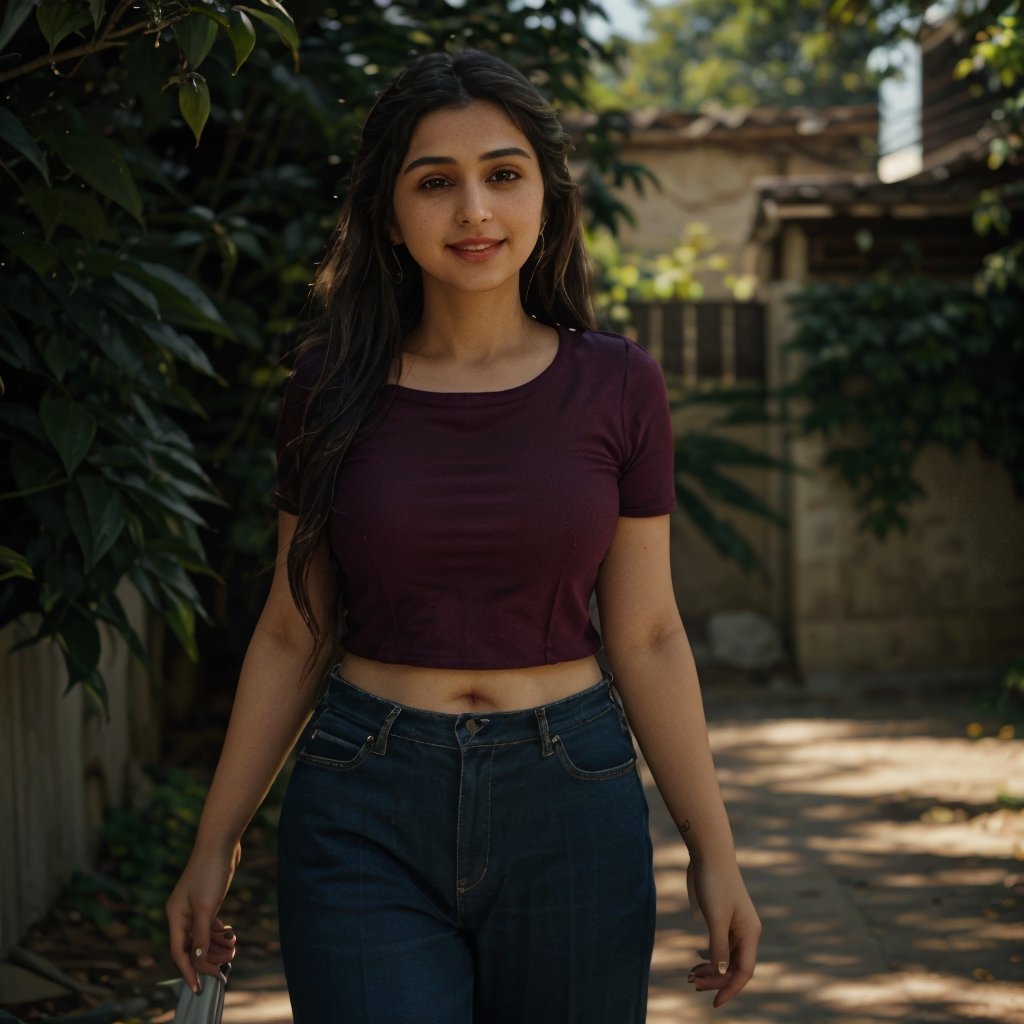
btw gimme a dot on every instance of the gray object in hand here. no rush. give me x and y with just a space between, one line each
207 1007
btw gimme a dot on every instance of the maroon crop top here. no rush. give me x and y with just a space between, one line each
469 527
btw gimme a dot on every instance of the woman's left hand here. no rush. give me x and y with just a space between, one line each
223 942
734 929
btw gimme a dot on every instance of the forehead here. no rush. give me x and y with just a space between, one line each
466 132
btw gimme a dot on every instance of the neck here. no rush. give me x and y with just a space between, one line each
464 325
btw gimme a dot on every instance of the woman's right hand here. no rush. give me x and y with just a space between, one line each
192 914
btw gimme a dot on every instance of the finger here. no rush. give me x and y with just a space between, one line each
718 936
179 929
218 954
708 979
741 970
222 937
200 944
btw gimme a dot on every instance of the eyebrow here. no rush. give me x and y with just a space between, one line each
494 154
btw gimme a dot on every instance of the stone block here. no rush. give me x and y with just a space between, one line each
817 644
818 590
744 639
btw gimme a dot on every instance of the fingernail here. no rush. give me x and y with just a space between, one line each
722 967
198 951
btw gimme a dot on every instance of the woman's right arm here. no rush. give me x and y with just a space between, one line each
272 704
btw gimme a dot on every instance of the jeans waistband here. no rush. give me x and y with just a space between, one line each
485 727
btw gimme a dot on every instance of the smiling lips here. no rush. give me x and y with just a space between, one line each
476 250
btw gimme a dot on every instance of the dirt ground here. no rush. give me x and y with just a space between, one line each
883 844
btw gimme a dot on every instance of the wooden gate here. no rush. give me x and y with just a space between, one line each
704 342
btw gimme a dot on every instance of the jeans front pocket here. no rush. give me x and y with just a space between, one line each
336 743
597 750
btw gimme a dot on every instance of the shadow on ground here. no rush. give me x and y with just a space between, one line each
888 873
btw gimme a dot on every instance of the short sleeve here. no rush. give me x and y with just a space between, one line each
297 391
647 481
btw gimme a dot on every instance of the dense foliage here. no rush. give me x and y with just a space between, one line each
157 234
768 53
898 362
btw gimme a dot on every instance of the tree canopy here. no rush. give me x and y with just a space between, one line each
748 53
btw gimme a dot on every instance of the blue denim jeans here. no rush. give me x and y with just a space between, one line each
466 869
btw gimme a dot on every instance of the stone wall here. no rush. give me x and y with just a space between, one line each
945 601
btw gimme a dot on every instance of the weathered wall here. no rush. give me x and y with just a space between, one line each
706 183
944 600
61 766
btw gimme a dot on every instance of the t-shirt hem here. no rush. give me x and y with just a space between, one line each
476 665
648 510
283 504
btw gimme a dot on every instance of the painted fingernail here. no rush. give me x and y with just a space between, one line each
198 951
722 967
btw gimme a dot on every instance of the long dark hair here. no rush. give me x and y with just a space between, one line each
364 304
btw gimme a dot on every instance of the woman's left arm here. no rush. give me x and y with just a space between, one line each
656 678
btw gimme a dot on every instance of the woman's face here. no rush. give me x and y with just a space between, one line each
469 199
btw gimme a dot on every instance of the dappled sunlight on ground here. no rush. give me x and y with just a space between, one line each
884 870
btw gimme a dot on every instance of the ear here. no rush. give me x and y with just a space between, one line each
394 235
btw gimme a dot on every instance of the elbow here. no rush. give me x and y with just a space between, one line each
650 642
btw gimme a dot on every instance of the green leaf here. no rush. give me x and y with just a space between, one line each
140 293
14 133
148 496
194 100
39 256
242 35
182 620
70 428
105 515
111 610
81 642
281 22
175 291
14 16
13 564
60 352
59 18
96 8
181 346
98 162
75 208
195 36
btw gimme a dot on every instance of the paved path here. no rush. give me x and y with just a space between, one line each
890 882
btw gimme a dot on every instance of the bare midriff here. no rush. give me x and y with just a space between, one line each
454 691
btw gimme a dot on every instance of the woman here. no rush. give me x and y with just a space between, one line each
462 462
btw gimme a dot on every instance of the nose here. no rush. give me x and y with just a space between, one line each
473 207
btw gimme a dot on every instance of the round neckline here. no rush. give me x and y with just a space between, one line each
485 397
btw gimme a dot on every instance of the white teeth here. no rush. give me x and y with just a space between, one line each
476 248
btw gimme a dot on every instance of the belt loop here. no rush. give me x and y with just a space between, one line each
547 748
380 746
